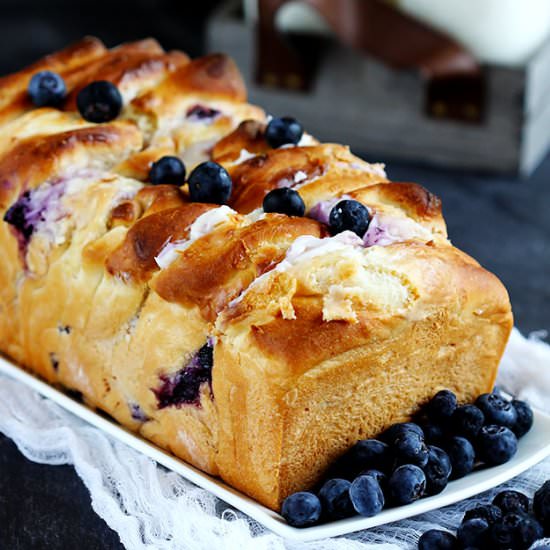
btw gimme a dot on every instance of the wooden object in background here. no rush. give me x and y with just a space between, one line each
382 112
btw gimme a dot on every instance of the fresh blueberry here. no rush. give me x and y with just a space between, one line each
473 532
496 444
169 170
301 509
514 530
437 470
524 420
334 497
283 131
434 433
381 477
349 215
409 448
467 420
441 406
364 455
406 484
497 410
284 201
366 496
504 533
530 530
541 504
210 182
511 501
462 456
395 430
489 512
437 540
46 89
99 101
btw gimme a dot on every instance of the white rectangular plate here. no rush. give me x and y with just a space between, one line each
533 448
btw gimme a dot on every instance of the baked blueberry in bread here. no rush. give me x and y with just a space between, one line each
256 345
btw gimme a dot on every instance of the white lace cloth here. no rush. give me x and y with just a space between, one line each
154 509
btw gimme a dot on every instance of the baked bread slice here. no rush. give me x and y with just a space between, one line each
255 346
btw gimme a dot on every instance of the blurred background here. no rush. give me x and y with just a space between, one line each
479 141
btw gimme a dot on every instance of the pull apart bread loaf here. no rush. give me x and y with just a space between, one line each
256 346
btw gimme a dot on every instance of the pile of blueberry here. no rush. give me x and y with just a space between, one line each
415 459
508 523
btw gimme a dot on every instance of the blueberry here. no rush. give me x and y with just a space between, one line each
511 501
349 215
301 509
514 530
467 420
381 477
18 215
497 410
541 504
530 530
434 433
210 182
395 430
364 455
437 470
205 355
99 101
524 420
504 533
46 89
437 540
169 170
334 497
489 512
284 201
409 448
366 496
496 444
283 131
462 456
473 532
406 484
441 406
184 386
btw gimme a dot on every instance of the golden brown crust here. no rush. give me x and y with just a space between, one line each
349 380
248 136
43 157
412 199
127 66
111 286
219 266
13 98
135 257
325 171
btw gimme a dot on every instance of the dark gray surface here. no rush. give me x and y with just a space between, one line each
46 508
